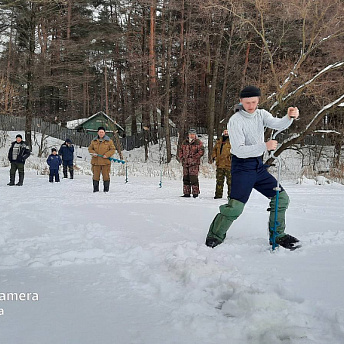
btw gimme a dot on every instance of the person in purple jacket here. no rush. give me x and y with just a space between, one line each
54 161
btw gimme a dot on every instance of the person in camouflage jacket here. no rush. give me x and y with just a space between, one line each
222 156
190 153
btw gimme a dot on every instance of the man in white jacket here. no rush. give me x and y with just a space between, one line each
246 133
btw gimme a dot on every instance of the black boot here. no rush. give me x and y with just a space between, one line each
95 185
212 242
12 178
21 179
71 171
65 172
287 241
106 185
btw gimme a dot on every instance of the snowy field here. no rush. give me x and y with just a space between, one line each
131 266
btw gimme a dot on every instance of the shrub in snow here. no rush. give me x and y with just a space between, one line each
305 180
321 180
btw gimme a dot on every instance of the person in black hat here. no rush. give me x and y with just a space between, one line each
54 161
18 153
246 134
190 153
66 152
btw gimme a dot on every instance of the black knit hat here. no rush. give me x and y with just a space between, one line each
53 150
101 128
250 91
19 136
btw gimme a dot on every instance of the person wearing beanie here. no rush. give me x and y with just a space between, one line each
54 161
101 149
246 135
66 152
190 152
17 155
222 156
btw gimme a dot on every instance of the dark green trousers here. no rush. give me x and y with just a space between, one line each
14 167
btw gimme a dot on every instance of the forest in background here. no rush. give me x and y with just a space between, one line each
181 60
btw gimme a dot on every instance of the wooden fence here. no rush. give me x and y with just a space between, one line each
82 139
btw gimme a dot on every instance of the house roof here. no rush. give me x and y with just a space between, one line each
76 124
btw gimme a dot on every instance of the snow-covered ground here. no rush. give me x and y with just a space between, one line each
131 267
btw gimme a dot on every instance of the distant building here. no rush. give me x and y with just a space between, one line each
91 124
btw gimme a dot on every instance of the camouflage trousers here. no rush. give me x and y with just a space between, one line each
190 180
221 174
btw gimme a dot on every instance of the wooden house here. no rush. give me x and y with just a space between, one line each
91 124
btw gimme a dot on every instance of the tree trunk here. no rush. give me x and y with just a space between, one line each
222 115
338 142
29 73
8 86
145 107
69 18
212 96
118 144
106 90
243 80
152 72
167 94
183 80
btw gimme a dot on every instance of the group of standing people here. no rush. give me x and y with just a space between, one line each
101 149
239 159
238 154
190 153
64 157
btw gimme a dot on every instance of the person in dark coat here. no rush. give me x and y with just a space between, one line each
66 152
18 153
54 161
190 153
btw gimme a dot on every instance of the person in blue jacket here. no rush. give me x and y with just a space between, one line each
54 161
66 151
